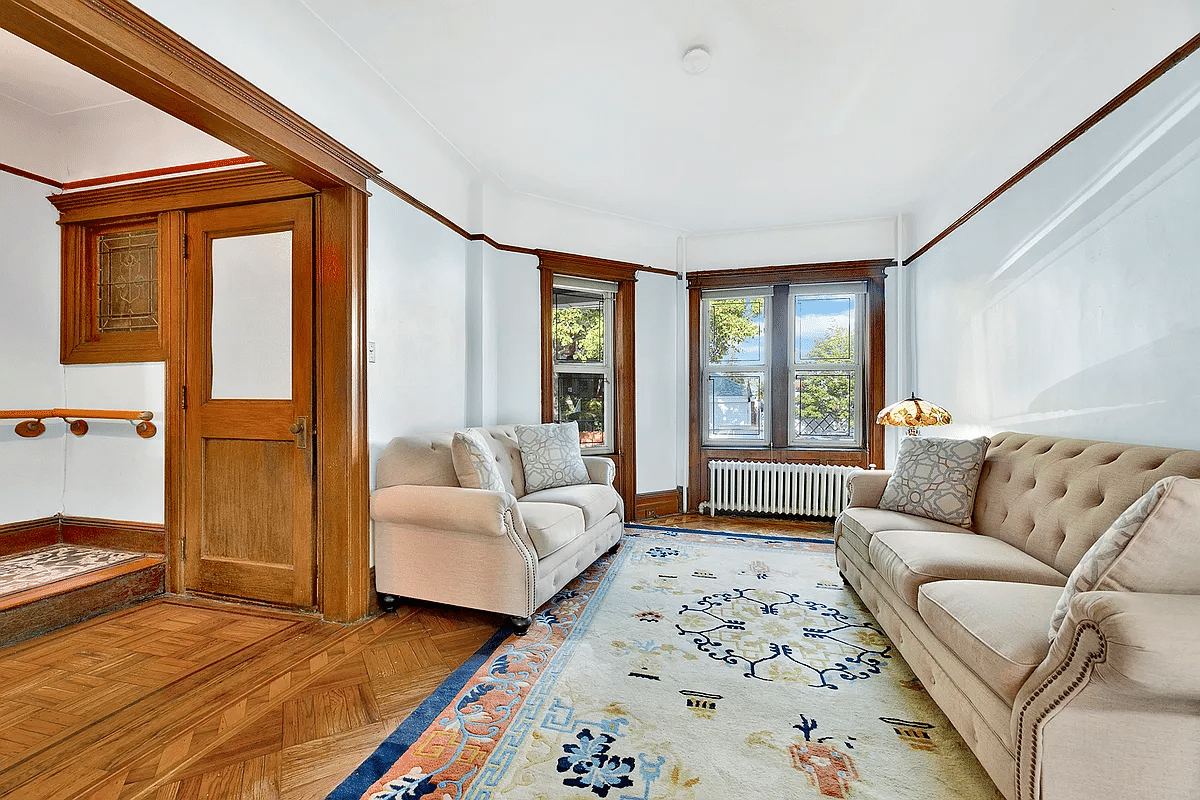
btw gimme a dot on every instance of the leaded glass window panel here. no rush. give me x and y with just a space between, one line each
127 281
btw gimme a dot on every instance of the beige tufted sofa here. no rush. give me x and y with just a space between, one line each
1111 708
507 552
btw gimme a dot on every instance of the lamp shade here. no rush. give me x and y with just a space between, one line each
913 413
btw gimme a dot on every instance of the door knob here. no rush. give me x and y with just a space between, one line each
299 429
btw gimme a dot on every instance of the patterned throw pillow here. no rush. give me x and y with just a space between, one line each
936 478
551 455
1151 547
474 462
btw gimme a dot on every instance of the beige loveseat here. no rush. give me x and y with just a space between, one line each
1111 709
507 552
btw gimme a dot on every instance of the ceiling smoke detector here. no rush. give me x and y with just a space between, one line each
696 59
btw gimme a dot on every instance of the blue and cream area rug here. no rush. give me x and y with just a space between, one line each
686 665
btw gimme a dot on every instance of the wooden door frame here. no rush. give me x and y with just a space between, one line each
120 44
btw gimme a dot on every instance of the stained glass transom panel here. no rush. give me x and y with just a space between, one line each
127 281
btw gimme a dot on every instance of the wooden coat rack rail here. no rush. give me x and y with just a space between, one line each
77 418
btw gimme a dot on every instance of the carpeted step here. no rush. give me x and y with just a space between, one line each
62 584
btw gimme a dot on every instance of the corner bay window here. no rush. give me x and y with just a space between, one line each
787 365
582 346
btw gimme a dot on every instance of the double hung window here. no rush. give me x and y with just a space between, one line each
582 349
737 365
807 357
826 364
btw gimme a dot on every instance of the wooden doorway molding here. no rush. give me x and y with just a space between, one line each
124 46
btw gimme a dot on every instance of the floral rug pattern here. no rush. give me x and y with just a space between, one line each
684 666
54 563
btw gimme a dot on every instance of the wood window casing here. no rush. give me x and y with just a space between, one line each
553 263
82 339
778 448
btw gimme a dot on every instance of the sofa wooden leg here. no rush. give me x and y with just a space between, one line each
521 625
388 602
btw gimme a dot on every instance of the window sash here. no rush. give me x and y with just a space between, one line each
706 317
743 422
854 365
710 370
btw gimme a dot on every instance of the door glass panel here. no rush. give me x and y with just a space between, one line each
252 317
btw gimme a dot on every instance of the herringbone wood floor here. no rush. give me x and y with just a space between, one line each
181 699
186 699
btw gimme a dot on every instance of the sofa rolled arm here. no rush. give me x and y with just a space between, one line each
1118 649
600 469
866 487
1152 641
447 508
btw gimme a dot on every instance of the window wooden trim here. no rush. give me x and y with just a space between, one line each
80 339
624 274
778 448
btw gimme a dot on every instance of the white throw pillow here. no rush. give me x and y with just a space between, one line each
1153 546
474 462
551 455
936 478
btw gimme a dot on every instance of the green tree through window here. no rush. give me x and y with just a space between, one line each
730 324
578 334
824 402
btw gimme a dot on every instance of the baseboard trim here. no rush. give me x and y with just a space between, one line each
659 504
30 534
140 537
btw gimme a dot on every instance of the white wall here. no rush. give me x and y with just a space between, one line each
801 244
1133 38
528 221
31 470
416 316
131 136
30 140
111 472
1069 305
656 329
512 356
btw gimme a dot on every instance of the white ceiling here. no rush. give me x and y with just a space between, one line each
811 111
46 83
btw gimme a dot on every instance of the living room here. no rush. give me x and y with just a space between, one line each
1061 307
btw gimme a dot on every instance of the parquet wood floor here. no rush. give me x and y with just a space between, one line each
183 699
186 699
